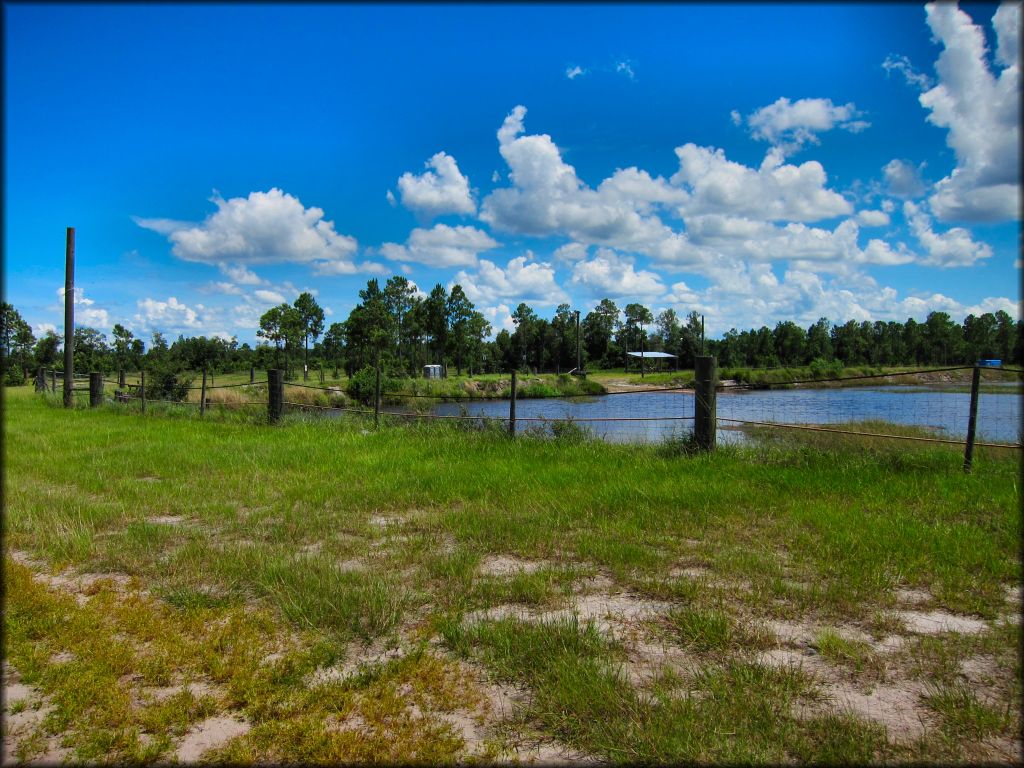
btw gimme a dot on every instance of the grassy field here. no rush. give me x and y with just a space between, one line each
323 592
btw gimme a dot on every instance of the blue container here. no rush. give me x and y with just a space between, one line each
990 363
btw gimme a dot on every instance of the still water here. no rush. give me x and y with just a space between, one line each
999 415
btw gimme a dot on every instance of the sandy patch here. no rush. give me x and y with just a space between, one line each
198 689
505 565
646 660
209 734
374 654
384 521
352 564
689 572
15 692
894 706
166 519
1013 594
934 622
909 596
19 726
888 644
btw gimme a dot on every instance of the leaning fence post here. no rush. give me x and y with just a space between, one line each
972 420
512 407
202 395
275 389
376 398
95 389
143 391
704 416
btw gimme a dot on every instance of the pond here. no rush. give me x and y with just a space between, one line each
654 416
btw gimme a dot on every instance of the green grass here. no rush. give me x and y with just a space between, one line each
265 516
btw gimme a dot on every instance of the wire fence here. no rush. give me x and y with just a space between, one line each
936 409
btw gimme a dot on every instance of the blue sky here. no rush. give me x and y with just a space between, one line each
755 163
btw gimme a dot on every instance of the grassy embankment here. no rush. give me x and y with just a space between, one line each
625 602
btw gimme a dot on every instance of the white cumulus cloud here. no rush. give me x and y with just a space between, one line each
444 189
522 279
441 246
790 125
903 179
953 248
982 113
873 218
263 228
613 275
775 191
170 315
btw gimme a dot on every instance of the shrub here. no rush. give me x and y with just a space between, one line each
167 382
14 377
825 369
362 385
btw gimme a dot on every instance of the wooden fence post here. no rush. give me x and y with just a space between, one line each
143 391
252 374
40 380
704 416
275 391
202 395
120 377
95 389
972 419
512 407
376 398
53 380
69 319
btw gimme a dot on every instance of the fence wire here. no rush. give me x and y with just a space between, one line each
871 405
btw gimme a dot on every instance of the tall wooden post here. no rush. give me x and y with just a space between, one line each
95 389
53 380
40 380
202 395
275 391
972 419
252 374
512 408
143 391
120 377
376 397
704 420
69 319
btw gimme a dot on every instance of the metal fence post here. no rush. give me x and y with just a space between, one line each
95 389
376 398
275 390
512 408
972 420
143 391
202 395
704 416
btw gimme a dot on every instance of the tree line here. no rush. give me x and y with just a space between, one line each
401 329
